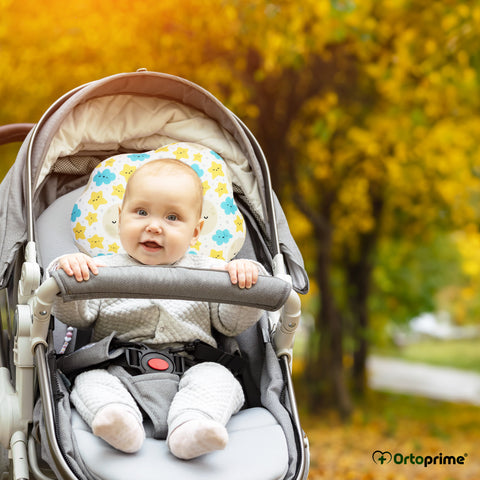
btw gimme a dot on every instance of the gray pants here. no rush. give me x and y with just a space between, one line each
207 390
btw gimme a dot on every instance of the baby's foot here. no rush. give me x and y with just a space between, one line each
197 437
119 426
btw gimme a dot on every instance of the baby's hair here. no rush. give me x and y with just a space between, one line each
170 166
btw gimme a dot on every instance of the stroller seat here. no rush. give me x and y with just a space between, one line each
254 433
256 450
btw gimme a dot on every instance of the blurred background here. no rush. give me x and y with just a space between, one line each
368 113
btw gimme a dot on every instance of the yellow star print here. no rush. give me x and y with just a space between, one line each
127 171
113 247
205 186
110 162
95 241
216 170
96 199
79 231
161 149
197 157
197 244
221 189
216 254
239 223
118 191
181 153
91 218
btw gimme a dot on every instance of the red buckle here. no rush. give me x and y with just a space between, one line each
158 364
144 359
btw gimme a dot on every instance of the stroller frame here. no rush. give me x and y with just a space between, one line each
31 335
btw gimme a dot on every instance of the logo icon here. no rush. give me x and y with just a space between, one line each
381 458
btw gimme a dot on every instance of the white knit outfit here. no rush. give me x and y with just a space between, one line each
206 390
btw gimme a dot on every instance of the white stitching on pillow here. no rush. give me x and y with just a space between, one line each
94 218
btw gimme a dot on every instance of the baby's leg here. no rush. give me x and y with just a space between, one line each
208 395
109 409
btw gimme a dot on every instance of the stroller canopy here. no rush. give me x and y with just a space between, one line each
134 112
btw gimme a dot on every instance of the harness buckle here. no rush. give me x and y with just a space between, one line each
146 360
143 359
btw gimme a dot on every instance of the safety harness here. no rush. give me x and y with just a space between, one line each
138 358
142 359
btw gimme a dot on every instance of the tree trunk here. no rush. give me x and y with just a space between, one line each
359 278
324 371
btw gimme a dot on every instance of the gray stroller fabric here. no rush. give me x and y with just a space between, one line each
65 439
12 218
181 283
154 393
264 368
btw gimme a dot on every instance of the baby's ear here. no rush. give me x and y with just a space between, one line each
197 231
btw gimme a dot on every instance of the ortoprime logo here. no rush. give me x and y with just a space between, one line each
383 458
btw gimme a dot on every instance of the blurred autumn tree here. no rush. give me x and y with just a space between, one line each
367 113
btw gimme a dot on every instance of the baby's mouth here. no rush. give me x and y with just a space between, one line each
151 246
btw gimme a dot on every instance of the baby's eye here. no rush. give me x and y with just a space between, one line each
142 212
172 217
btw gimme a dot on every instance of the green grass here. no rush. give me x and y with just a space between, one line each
464 354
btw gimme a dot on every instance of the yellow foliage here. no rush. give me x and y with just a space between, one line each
468 243
391 107
397 425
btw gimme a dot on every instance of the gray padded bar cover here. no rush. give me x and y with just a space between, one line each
177 283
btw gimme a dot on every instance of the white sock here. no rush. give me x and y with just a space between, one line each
197 437
119 426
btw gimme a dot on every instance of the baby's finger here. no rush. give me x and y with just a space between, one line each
233 275
80 270
241 275
92 265
251 275
65 266
254 274
98 262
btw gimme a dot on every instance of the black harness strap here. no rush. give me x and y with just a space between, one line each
139 358
143 359
203 352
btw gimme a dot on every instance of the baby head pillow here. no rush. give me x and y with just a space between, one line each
94 217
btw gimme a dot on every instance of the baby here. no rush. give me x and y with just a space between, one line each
160 218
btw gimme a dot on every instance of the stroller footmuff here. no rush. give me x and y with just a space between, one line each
75 183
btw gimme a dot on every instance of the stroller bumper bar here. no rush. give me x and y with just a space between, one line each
178 283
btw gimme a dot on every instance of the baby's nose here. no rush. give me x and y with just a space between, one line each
154 227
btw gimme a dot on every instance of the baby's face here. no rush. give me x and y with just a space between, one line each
160 218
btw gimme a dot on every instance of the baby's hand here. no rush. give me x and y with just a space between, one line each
78 265
242 272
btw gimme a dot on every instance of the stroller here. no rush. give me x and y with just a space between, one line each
122 116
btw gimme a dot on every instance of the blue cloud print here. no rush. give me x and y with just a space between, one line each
104 176
228 206
138 157
215 154
76 212
199 171
222 236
